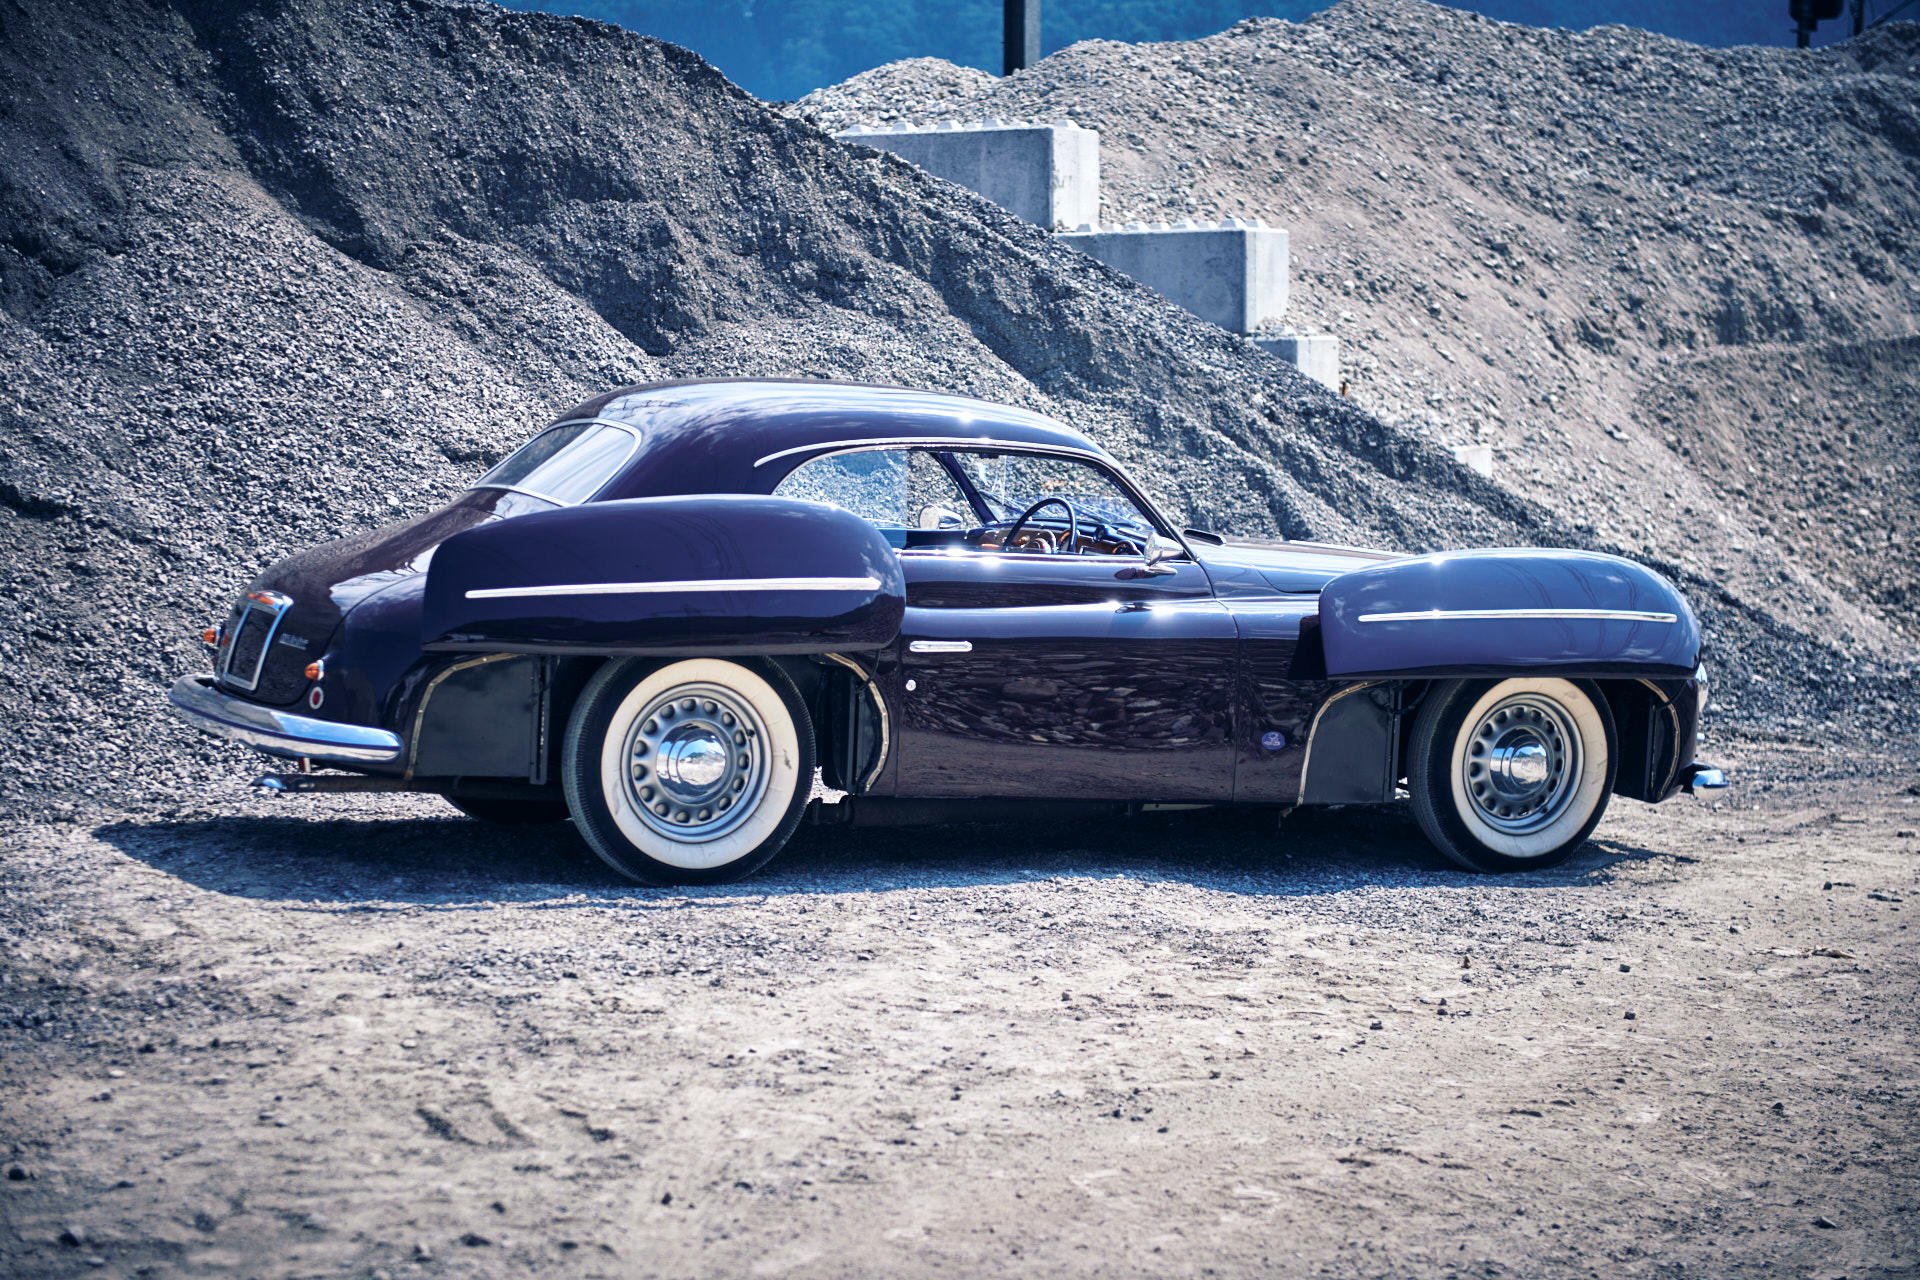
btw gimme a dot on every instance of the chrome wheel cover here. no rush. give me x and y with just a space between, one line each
1521 768
696 759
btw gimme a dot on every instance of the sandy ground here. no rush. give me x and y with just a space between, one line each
315 1038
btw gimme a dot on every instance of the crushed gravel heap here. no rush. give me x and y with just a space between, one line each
1675 288
276 274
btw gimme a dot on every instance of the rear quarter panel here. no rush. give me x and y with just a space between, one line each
712 574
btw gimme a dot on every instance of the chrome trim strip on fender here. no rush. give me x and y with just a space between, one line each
940 646
868 583
276 732
1477 615
825 447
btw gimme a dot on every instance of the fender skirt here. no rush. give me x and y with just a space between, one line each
701 575
1497 612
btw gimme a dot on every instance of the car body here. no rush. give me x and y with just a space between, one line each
955 603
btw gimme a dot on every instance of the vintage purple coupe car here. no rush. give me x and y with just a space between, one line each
664 612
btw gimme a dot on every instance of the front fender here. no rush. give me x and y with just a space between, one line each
708 574
1494 612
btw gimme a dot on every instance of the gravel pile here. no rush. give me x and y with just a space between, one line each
273 277
1674 288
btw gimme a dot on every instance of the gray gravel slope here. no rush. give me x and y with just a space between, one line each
282 272
1675 288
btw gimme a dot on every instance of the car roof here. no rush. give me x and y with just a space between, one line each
745 436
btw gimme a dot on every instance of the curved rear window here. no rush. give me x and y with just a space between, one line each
566 464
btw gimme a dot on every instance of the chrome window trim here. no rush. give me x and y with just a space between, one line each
633 433
514 488
1495 615
826 448
1105 462
868 583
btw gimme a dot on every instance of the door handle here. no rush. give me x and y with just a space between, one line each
940 646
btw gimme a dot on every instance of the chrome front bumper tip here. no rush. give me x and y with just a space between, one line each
276 732
1698 777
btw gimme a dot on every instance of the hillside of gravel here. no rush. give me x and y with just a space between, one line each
275 275
278 272
1674 288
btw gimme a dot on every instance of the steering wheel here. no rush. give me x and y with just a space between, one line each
1073 521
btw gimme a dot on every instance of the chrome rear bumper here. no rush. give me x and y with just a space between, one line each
276 732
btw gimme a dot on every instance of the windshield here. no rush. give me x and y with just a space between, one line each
566 464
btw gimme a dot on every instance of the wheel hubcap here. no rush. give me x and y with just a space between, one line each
696 762
1521 764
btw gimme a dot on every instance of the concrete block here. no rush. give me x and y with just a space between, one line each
1475 457
1315 354
1048 174
1232 273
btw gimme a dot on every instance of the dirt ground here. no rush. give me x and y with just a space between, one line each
318 1037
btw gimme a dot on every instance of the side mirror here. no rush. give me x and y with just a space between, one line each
1154 558
938 517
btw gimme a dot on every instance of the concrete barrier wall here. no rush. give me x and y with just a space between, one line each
1315 354
1049 174
1233 273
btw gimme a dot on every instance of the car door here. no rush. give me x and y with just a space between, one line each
1056 674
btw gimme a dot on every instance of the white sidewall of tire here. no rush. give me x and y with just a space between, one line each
783 766
1589 791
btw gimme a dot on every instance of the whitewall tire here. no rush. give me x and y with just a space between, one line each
1509 775
692 771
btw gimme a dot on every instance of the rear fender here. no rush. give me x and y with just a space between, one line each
701 575
1498 612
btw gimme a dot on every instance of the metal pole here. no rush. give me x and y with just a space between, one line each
1022 34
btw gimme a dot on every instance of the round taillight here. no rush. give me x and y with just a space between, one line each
211 635
316 669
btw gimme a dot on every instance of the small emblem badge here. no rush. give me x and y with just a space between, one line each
1273 740
292 641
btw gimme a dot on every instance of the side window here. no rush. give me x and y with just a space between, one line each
1069 505
896 489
